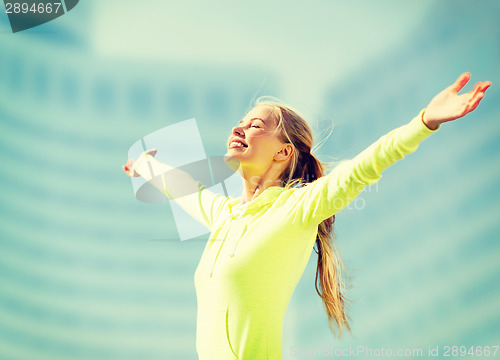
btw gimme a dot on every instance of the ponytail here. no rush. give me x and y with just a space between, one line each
304 168
330 269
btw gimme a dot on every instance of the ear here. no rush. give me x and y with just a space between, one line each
285 152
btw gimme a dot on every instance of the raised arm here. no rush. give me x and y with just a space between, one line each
202 204
331 193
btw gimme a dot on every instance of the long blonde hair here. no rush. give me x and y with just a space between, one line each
304 168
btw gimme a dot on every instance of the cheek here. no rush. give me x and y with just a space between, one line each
266 150
264 147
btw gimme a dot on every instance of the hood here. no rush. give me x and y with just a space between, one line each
269 195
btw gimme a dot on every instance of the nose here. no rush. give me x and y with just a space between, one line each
237 130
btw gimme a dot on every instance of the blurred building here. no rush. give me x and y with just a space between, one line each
87 271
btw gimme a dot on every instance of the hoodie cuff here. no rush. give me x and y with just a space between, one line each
422 124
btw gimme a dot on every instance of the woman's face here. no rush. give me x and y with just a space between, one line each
253 142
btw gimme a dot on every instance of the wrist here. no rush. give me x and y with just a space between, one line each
430 125
141 165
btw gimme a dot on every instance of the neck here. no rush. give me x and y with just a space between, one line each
254 184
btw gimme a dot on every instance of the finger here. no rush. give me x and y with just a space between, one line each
482 86
486 85
125 168
479 89
478 95
475 102
460 83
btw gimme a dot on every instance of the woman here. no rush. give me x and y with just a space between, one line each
260 243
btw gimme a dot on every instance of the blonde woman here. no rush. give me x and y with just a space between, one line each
261 242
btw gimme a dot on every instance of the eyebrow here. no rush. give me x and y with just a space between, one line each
253 119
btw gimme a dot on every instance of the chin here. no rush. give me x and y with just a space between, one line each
233 152
232 161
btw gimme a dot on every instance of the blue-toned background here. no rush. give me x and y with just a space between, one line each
83 273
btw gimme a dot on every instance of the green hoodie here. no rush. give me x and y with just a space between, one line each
257 251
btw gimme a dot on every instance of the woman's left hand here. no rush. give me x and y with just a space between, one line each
129 167
448 105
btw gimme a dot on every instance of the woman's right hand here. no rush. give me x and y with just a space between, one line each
448 105
129 167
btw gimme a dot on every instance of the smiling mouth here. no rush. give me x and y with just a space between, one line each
237 144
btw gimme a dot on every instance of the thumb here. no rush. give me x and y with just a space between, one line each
151 152
460 83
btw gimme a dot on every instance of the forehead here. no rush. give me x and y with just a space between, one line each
264 112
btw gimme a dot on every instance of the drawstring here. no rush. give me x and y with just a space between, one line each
238 233
241 230
220 248
239 238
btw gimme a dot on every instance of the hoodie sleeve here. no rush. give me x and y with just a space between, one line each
202 204
329 194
